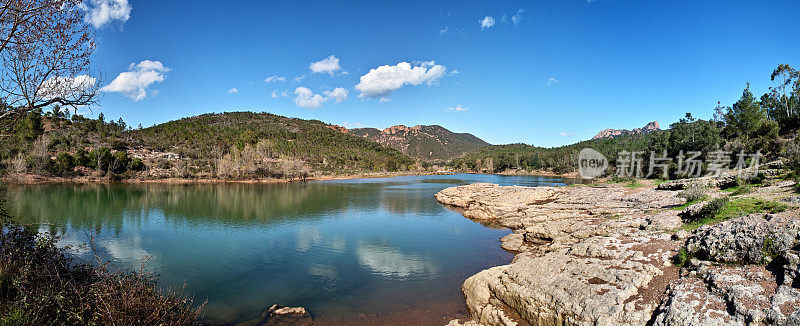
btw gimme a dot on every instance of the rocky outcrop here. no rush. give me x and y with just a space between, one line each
586 255
729 295
745 275
602 255
611 133
722 181
753 239
423 142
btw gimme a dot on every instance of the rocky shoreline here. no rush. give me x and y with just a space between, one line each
603 255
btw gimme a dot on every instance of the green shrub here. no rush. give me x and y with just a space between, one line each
81 158
64 164
136 164
757 179
41 164
682 258
119 163
693 194
100 158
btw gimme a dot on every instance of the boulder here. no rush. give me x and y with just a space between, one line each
752 239
280 315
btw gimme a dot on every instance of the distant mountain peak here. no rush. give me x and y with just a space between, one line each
611 133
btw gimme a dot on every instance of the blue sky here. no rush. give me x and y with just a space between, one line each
550 73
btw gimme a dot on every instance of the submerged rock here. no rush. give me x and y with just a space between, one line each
280 315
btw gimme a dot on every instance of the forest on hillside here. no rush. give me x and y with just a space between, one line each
234 145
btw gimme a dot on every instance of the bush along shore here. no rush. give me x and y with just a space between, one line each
702 251
44 284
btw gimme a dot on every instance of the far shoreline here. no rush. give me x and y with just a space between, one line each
33 179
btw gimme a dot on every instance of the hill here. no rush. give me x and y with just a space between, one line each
322 146
429 143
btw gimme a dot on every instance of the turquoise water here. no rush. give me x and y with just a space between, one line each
366 251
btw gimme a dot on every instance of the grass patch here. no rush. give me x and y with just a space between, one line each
634 185
687 204
682 258
720 209
740 190
769 249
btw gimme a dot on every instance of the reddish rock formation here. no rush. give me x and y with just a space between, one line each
611 133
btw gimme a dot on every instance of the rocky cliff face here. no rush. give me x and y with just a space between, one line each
602 256
429 143
611 133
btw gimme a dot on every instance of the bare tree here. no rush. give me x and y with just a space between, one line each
14 18
45 47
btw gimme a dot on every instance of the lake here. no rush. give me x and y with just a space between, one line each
364 251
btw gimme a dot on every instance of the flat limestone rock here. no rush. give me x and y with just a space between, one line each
586 255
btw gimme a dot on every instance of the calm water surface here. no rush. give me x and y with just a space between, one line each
365 251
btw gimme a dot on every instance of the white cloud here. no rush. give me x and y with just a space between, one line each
457 108
134 83
517 17
299 78
487 22
274 94
389 262
274 79
328 65
307 99
383 99
233 91
442 31
102 12
566 134
381 81
66 86
552 81
338 94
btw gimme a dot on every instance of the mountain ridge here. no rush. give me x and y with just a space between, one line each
425 142
611 133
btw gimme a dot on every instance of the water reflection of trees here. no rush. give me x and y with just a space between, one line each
408 201
93 205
